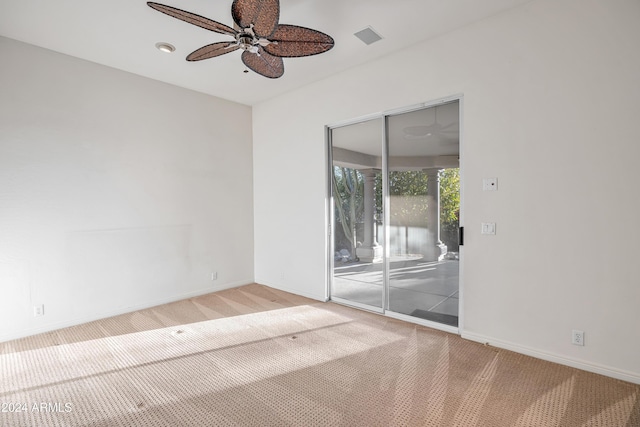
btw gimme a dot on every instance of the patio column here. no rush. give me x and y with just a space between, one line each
370 250
436 250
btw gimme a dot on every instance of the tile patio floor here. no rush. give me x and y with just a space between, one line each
415 284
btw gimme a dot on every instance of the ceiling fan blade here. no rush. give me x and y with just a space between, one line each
192 18
264 64
263 14
295 41
212 50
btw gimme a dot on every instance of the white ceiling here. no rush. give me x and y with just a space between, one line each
123 33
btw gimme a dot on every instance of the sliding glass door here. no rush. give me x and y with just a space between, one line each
424 206
395 193
356 189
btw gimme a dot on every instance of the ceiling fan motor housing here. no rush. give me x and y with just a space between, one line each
246 41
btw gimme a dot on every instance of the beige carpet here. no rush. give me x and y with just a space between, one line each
254 356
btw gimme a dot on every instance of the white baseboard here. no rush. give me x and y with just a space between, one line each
320 298
122 310
551 357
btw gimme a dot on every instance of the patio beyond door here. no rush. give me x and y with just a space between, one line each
395 192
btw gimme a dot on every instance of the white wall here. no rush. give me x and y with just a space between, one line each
116 192
551 101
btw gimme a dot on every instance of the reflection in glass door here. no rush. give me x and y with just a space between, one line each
395 192
356 181
424 207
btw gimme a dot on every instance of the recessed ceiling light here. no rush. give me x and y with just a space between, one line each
165 47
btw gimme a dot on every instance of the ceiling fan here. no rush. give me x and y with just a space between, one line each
434 129
257 32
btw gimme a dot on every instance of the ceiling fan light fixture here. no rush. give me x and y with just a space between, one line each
165 47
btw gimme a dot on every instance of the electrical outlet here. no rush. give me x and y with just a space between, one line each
577 337
214 275
38 310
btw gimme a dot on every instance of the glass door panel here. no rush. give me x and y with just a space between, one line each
356 190
424 206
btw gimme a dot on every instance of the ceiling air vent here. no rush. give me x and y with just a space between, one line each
368 35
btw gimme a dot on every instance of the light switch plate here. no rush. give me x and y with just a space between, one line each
488 228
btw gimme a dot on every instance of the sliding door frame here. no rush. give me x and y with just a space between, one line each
330 219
